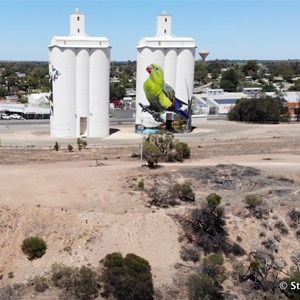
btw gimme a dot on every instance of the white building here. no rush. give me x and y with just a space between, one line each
177 58
220 102
79 71
40 99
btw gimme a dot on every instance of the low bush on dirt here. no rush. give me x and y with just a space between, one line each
205 228
183 150
40 284
184 192
190 253
12 292
34 247
141 185
292 290
152 154
62 276
282 228
253 200
203 287
213 199
83 283
162 195
56 146
128 278
258 208
213 267
294 218
86 283
164 148
70 148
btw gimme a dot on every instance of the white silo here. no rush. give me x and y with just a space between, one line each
176 55
79 70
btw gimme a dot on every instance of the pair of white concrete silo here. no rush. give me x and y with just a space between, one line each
79 68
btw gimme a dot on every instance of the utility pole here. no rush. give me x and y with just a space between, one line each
141 128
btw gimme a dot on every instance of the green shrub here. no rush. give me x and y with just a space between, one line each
282 228
70 148
213 199
167 148
151 153
34 247
128 278
291 291
12 292
82 283
213 267
203 287
62 276
184 192
141 185
183 149
56 146
84 144
40 284
86 283
205 228
190 253
253 200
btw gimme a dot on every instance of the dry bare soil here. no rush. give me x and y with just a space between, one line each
87 204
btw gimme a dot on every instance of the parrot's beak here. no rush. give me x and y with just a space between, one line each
149 69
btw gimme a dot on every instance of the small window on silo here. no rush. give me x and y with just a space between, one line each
78 18
165 31
166 20
78 30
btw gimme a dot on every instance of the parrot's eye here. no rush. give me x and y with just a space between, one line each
156 69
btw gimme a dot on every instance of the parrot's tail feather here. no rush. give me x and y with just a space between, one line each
177 104
182 113
180 101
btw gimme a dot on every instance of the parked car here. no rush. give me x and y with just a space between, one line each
5 117
15 117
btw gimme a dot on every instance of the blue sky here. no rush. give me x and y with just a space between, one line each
240 29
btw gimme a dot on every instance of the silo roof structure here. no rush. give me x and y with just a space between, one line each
78 38
164 37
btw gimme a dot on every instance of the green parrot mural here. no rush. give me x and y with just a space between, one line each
161 96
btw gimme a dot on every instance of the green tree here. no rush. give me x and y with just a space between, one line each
251 68
200 71
34 247
263 109
296 86
229 80
128 278
3 92
117 91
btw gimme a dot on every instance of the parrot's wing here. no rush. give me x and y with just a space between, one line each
169 92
